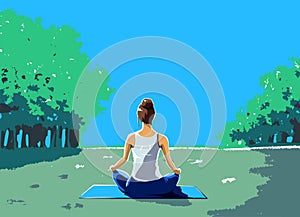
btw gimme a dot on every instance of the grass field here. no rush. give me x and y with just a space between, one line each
53 188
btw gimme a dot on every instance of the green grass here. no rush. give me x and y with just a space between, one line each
54 192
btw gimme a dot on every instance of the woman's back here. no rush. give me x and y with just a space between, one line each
145 158
146 180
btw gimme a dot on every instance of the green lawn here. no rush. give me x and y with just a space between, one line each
17 198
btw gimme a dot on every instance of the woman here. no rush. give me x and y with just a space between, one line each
145 180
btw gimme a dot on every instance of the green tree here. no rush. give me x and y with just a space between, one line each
267 114
39 73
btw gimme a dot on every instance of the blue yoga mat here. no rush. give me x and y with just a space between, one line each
112 192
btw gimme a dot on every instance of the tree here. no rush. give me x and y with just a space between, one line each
273 113
39 73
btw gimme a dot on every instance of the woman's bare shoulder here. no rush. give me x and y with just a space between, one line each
162 139
131 138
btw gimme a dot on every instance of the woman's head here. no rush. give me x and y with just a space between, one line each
146 111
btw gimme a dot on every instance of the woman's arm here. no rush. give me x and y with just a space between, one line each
164 143
129 142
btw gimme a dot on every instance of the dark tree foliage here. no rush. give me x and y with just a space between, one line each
273 117
283 125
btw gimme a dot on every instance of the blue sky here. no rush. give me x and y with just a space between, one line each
241 40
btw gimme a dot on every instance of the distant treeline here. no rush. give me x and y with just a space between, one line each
19 128
270 118
277 127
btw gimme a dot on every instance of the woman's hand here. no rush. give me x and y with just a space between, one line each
177 171
112 168
123 160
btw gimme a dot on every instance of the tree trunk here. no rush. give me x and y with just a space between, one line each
42 136
284 137
52 137
58 139
26 131
74 138
271 139
23 139
296 128
18 129
2 138
11 140
66 138
34 135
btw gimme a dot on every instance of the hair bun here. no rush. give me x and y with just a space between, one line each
146 111
147 103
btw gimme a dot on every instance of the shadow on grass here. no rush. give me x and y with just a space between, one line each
12 159
171 202
280 196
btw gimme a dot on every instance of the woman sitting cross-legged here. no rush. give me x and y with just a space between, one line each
145 180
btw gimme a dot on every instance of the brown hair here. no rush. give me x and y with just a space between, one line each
146 111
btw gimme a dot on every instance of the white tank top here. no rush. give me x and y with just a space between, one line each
145 158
